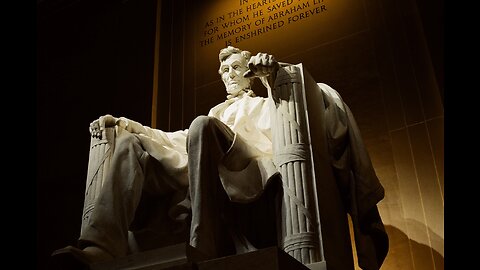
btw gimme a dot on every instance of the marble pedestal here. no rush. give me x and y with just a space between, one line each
180 257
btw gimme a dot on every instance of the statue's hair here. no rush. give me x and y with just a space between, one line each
227 52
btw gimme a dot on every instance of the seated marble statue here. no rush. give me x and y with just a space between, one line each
223 157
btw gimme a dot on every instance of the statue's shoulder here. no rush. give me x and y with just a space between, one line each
331 95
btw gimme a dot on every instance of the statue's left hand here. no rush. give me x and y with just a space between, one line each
98 126
261 65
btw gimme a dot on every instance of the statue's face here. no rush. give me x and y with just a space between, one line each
232 70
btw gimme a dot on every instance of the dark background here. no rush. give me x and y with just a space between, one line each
92 58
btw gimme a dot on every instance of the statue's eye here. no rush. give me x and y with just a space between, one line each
236 67
225 69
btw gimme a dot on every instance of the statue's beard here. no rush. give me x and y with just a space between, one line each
235 88
238 91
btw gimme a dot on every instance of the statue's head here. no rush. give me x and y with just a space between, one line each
233 64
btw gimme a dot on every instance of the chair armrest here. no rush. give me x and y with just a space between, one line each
98 164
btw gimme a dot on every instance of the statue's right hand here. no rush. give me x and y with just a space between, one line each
98 126
262 65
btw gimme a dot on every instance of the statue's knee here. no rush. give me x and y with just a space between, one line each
205 128
199 125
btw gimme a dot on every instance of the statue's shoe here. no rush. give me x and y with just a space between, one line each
73 258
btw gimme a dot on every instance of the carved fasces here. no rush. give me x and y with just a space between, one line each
299 232
101 150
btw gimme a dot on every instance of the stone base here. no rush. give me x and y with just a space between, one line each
264 259
171 258
318 266
181 257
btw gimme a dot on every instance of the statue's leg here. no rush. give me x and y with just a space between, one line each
132 171
208 140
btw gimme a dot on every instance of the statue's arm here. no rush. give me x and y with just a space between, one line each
173 139
97 127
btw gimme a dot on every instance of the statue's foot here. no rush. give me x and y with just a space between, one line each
73 258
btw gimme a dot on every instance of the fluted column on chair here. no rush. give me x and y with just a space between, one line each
299 232
98 163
